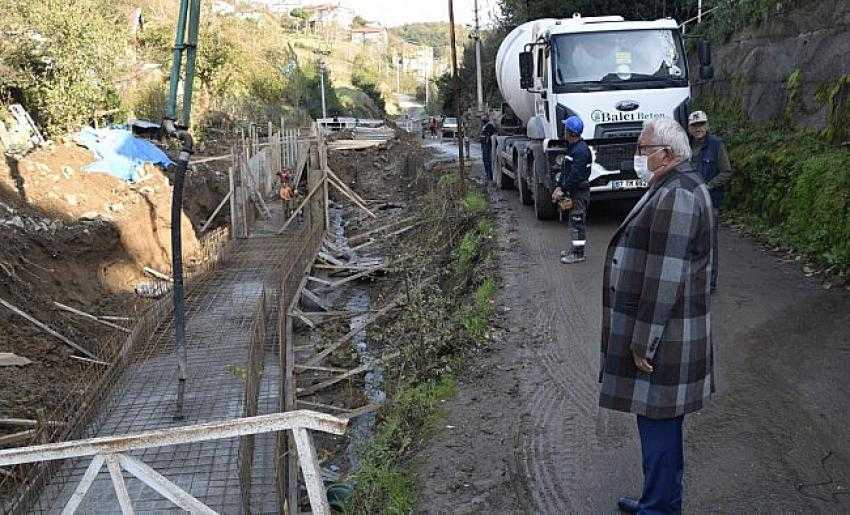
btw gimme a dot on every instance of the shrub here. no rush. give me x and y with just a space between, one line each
68 53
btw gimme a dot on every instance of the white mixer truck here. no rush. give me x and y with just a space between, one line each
611 73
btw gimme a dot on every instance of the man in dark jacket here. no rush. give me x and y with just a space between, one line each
710 159
657 359
487 132
573 191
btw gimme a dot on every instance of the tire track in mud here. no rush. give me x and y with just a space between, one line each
561 390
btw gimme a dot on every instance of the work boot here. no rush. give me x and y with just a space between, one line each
573 257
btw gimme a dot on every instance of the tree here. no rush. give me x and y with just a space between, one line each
365 77
516 12
358 22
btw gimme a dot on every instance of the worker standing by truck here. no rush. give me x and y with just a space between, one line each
487 132
573 191
710 158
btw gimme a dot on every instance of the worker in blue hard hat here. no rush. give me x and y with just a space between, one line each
572 193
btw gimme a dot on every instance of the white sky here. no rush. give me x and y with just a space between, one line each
399 12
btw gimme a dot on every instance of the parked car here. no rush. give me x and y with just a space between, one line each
449 128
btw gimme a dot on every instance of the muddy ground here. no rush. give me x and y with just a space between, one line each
525 434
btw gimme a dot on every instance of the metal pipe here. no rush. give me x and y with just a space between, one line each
176 62
191 55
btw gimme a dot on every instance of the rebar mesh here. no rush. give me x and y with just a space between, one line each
236 292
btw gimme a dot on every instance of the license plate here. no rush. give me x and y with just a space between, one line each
632 184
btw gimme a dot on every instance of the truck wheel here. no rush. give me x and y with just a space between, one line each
525 195
544 209
496 164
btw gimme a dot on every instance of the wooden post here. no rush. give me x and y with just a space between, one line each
234 200
290 397
459 103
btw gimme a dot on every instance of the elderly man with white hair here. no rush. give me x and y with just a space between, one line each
657 360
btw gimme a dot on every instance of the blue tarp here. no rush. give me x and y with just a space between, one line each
119 153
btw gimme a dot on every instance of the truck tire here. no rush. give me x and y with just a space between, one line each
544 209
504 181
525 194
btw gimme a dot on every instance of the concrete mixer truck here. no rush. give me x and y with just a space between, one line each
612 73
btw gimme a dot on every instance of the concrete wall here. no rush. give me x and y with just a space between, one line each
755 64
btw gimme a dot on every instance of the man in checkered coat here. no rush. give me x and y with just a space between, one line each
657 359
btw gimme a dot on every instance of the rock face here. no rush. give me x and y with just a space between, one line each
801 50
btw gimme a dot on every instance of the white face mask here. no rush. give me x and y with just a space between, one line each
641 164
642 168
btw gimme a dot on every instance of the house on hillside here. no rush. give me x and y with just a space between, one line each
370 35
418 59
325 16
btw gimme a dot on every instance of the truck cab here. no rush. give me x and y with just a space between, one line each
611 73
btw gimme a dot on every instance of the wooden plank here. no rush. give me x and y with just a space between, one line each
319 280
370 408
210 159
315 360
23 422
89 316
16 438
292 487
46 329
163 486
312 473
234 221
318 405
310 390
215 212
364 273
83 487
321 369
330 259
87 360
158 274
118 482
350 197
358 237
345 186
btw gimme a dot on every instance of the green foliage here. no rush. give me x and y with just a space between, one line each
434 34
67 55
472 247
358 22
476 317
790 184
792 87
383 486
475 203
837 98
365 76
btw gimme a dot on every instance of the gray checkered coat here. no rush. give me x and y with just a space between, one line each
656 301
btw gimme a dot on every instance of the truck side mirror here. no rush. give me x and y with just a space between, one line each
706 70
526 70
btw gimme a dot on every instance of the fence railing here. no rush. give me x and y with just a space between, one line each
112 451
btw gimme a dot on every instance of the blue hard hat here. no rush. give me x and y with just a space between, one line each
574 125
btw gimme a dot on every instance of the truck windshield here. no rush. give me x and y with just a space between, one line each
618 60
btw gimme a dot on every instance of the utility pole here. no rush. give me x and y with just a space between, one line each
477 37
322 81
398 73
458 102
699 11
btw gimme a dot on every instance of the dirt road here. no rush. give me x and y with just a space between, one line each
525 433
